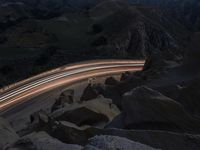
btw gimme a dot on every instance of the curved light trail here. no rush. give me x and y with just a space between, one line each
62 76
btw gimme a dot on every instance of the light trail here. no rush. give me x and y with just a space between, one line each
55 77
64 76
67 68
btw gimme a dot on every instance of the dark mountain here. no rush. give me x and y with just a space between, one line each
186 11
136 31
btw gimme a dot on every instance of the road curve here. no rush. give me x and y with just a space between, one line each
64 75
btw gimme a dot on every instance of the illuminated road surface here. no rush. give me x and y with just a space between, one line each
65 75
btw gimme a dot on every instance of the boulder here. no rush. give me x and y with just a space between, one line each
145 108
68 132
40 117
66 97
114 93
83 116
7 134
89 93
93 112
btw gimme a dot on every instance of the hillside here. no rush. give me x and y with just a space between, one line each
186 11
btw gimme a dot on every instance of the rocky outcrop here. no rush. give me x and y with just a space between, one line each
7 134
187 12
128 31
145 108
89 93
70 133
66 97
115 92
83 116
100 110
39 117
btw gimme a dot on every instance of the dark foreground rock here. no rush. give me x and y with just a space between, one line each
70 133
145 108
89 93
99 110
66 97
83 116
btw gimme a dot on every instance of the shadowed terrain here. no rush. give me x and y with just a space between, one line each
156 108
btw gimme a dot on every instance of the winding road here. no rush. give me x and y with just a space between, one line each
65 75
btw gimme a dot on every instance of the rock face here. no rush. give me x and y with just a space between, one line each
83 116
147 109
92 112
70 133
186 11
7 134
127 31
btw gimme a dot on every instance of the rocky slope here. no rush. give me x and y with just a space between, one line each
186 11
135 31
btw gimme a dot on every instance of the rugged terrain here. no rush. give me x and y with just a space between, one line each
157 108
